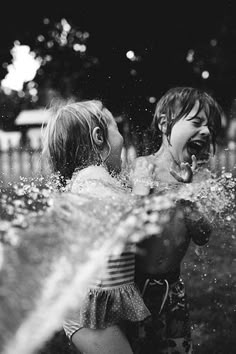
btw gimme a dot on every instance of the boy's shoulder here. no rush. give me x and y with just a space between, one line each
202 174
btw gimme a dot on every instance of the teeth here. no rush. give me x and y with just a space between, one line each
197 143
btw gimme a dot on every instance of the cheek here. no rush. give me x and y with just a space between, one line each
122 141
176 137
180 135
119 142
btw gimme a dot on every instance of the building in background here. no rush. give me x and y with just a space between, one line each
20 150
29 123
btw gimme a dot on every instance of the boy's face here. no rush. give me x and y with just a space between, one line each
191 136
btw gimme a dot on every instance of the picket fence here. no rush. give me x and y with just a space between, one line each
29 164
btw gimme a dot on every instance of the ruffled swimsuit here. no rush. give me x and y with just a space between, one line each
114 298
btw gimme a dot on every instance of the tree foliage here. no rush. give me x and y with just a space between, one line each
80 63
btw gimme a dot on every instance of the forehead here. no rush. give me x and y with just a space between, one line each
107 116
196 111
111 120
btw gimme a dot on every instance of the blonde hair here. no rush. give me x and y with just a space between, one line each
67 139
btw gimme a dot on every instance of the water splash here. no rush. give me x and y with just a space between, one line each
214 196
53 244
40 271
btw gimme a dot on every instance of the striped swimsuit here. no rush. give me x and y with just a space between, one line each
119 271
113 298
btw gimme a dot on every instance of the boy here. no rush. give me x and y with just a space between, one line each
188 121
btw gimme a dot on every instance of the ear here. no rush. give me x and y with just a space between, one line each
98 136
162 124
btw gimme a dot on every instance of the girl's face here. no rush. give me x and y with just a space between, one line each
191 136
116 142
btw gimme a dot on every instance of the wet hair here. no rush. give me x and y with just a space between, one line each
178 102
67 139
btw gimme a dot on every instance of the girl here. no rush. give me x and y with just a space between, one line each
188 122
84 145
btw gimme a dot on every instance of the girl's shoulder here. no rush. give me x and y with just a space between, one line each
95 181
94 172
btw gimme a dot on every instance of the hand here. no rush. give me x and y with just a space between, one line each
185 170
141 176
142 169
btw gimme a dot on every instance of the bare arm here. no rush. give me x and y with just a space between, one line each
198 225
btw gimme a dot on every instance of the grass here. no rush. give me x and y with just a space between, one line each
210 282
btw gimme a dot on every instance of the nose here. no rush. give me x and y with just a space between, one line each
205 132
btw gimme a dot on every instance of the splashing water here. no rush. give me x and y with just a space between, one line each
53 244
214 196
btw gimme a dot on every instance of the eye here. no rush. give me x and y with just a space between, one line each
197 122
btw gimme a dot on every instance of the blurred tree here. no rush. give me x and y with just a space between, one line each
70 69
65 71
66 63
130 68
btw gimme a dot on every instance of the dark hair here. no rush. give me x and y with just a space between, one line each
67 138
178 102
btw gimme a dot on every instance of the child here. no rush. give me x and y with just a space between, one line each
188 121
84 145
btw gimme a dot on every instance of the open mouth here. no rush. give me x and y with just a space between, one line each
199 148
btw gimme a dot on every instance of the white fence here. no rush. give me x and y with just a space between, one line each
22 162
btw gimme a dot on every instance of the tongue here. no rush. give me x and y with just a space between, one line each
192 150
201 154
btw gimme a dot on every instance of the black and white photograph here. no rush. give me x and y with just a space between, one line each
118 177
